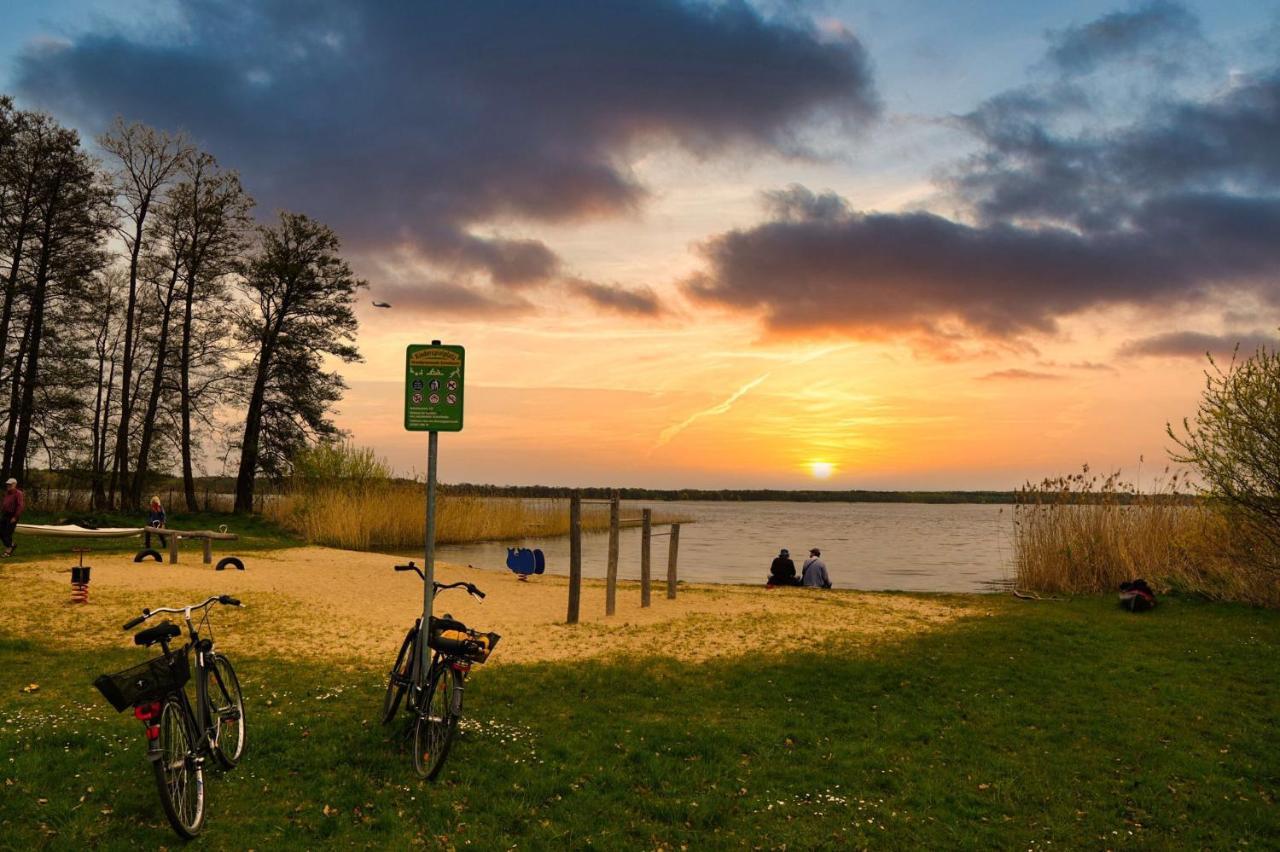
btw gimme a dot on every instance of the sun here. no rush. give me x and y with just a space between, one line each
821 469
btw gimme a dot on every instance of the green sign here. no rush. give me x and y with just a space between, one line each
433 388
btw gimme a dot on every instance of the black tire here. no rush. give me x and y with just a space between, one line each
179 777
226 711
398 680
146 554
434 729
229 562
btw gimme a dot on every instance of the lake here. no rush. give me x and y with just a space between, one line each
872 546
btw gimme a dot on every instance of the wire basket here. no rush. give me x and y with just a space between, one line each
149 681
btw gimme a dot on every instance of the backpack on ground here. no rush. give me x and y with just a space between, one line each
1136 596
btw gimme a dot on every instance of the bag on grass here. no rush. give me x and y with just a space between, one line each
1136 596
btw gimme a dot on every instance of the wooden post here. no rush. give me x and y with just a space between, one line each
575 556
646 539
173 549
611 577
671 561
146 540
208 557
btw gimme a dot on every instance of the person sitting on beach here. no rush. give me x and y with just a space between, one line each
156 518
815 571
783 570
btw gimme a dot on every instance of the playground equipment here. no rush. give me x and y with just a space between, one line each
173 536
80 578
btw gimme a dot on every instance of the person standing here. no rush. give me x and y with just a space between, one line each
815 571
11 506
783 571
156 518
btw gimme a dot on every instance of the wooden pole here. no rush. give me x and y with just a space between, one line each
173 549
671 561
575 556
611 577
646 539
208 551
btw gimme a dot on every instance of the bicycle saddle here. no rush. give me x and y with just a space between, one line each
152 635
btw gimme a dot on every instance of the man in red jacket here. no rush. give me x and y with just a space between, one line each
11 506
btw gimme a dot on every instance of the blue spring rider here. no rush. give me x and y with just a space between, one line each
523 562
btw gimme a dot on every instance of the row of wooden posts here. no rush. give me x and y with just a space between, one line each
611 574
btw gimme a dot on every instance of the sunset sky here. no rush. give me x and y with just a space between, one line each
907 244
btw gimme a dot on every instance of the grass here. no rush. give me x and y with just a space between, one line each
1038 726
381 514
255 531
1086 534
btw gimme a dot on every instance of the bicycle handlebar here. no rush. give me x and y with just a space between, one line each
440 587
182 610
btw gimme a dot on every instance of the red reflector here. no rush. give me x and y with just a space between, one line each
461 667
153 731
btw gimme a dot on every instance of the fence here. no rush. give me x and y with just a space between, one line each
616 522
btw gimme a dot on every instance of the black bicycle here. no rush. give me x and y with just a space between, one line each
435 703
179 735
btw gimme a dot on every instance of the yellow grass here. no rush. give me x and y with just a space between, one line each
379 514
1086 535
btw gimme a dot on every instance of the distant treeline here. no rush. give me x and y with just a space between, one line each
732 494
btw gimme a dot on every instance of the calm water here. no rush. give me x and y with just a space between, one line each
908 546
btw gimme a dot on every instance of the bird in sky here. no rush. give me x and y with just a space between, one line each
381 305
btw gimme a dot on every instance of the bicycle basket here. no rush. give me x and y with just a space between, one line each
149 681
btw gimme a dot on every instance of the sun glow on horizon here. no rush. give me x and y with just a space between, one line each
821 469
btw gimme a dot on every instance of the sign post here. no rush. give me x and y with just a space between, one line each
432 404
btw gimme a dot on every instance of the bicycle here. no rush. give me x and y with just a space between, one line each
436 698
180 736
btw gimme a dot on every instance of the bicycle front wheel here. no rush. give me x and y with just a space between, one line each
226 711
436 723
179 775
399 678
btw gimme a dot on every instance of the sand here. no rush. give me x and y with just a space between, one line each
351 608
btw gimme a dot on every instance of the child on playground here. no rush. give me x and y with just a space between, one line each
156 518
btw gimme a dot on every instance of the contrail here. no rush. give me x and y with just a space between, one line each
671 431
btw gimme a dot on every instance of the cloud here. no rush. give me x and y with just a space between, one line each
415 124
1019 375
1158 33
440 298
1069 206
1195 344
638 302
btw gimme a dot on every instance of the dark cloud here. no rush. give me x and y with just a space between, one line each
1019 375
1195 344
1177 205
638 302
439 298
1157 33
411 123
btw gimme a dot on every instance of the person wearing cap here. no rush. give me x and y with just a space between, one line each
815 571
156 518
783 570
11 506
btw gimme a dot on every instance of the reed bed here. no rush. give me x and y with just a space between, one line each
1086 534
386 515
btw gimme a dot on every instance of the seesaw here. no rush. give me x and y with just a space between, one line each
173 536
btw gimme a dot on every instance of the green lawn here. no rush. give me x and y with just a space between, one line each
255 533
1049 725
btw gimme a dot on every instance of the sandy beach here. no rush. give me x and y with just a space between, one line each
351 608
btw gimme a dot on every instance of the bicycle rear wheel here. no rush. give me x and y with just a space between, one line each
179 776
434 728
399 678
226 711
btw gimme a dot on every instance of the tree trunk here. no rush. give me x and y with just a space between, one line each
153 401
120 466
184 367
26 412
15 396
252 426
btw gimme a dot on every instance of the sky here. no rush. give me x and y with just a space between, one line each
737 245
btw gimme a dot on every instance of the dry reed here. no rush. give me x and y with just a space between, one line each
386 515
1085 534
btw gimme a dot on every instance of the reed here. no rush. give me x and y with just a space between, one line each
379 514
1086 534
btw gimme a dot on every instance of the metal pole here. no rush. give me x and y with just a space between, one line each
611 577
429 559
671 561
645 541
575 557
